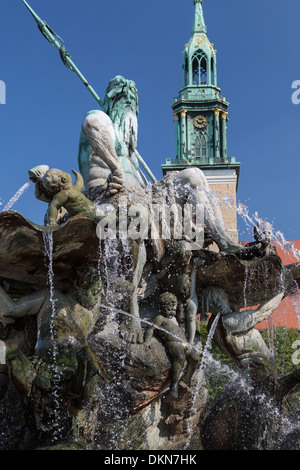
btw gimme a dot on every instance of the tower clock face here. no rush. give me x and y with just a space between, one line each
200 121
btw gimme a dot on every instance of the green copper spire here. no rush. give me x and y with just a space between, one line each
200 118
199 24
199 56
200 111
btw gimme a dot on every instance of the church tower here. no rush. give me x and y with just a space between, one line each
200 116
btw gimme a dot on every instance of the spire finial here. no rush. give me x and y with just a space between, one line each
199 24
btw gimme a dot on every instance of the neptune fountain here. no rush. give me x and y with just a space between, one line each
100 307
99 345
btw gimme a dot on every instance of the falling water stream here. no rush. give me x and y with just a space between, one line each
16 196
113 269
48 245
200 376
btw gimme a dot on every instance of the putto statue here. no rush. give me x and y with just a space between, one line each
56 187
173 338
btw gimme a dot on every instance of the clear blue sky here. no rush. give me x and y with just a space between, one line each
258 44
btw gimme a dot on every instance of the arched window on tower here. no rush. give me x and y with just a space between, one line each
199 64
195 71
197 147
203 70
201 148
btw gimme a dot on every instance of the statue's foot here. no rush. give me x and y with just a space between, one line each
174 390
132 332
115 184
